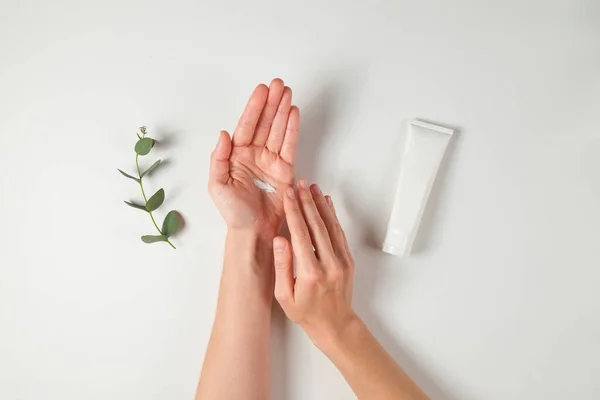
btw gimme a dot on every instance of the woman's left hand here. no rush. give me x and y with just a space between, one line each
249 174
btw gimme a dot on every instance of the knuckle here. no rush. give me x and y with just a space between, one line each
305 196
319 226
314 275
350 262
337 227
336 274
301 233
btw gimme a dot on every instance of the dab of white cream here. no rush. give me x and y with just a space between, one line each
264 186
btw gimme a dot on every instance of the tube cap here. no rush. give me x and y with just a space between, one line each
396 243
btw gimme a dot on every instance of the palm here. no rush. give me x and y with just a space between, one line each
252 168
259 162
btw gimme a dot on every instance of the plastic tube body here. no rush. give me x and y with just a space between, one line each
423 153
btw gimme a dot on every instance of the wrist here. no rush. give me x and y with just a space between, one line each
251 236
263 236
329 338
249 251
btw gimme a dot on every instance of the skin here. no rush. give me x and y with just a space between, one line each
263 147
236 364
258 263
319 299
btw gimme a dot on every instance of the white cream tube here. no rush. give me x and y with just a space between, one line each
424 150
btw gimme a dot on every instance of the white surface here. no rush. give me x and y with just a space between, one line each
423 152
500 302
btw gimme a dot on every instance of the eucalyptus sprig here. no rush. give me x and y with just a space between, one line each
171 223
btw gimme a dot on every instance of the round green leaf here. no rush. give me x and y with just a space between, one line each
154 238
171 223
156 200
143 146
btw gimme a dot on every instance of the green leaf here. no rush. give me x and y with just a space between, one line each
154 238
143 146
143 130
171 223
135 205
129 176
156 200
152 167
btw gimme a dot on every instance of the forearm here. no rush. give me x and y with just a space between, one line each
237 358
367 367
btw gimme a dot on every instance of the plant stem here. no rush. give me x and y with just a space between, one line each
137 164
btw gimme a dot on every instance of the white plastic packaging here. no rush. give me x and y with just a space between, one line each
423 153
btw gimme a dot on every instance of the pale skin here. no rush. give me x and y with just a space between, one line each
258 264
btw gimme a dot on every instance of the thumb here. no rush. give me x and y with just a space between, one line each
219 161
284 272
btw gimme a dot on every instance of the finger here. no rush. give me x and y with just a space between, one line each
290 140
301 243
284 271
244 130
316 226
266 118
341 230
219 161
327 215
275 139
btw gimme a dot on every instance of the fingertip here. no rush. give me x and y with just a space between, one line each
223 135
316 190
282 255
290 141
261 92
293 120
276 82
330 202
223 144
279 244
303 184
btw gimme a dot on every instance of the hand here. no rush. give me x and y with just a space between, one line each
250 174
320 298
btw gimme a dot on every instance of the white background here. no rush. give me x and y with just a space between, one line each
501 299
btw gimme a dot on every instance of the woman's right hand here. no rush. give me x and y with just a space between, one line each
320 298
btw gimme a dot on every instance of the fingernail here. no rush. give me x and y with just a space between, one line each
302 183
290 193
219 140
279 245
316 189
328 199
